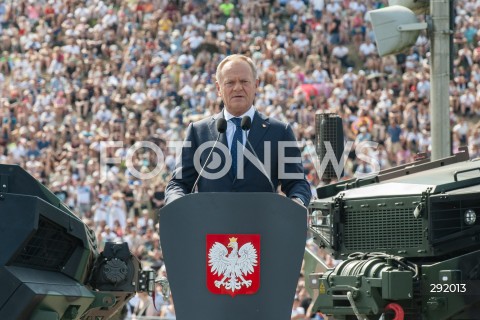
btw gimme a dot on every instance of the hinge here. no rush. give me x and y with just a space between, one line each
426 194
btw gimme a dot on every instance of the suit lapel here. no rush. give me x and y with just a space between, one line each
260 126
213 129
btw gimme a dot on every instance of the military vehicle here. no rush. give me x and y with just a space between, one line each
408 239
50 264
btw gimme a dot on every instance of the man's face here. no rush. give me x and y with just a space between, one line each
237 86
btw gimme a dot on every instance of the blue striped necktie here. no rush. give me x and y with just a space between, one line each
237 136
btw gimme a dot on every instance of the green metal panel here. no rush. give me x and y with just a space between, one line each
397 285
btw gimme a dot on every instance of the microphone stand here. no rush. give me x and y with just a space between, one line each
221 128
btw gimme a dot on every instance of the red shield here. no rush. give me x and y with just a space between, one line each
233 263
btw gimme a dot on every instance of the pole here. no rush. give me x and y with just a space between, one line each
439 79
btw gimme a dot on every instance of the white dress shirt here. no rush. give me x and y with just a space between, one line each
231 126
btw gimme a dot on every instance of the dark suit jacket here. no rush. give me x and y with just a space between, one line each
262 129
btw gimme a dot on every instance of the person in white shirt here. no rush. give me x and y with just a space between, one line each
117 210
349 79
186 59
301 46
189 19
84 194
423 86
460 131
296 6
333 7
341 53
367 49
110 19
103 114
82 12
194 41
298 312
467 100
320 75
318 7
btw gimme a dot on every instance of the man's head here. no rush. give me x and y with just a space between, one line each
237 83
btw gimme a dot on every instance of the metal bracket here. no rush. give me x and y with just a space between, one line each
455 175
103 300
422 206
412 26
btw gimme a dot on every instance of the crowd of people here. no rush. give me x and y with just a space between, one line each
83 83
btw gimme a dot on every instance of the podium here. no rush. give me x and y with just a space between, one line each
268 229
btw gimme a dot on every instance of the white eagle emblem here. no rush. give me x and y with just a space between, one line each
232 266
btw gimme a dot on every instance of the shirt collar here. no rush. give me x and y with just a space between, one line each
250 113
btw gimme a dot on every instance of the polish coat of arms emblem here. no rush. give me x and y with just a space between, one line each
233 263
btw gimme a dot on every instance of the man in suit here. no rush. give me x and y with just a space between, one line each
237 82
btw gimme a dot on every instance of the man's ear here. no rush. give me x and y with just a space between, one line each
257 83
219 93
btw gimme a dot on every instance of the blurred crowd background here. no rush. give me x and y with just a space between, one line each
82 81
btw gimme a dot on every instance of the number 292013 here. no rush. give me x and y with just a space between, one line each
448 288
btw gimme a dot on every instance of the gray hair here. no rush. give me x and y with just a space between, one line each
235 57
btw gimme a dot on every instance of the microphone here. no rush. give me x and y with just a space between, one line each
221 128
245 125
